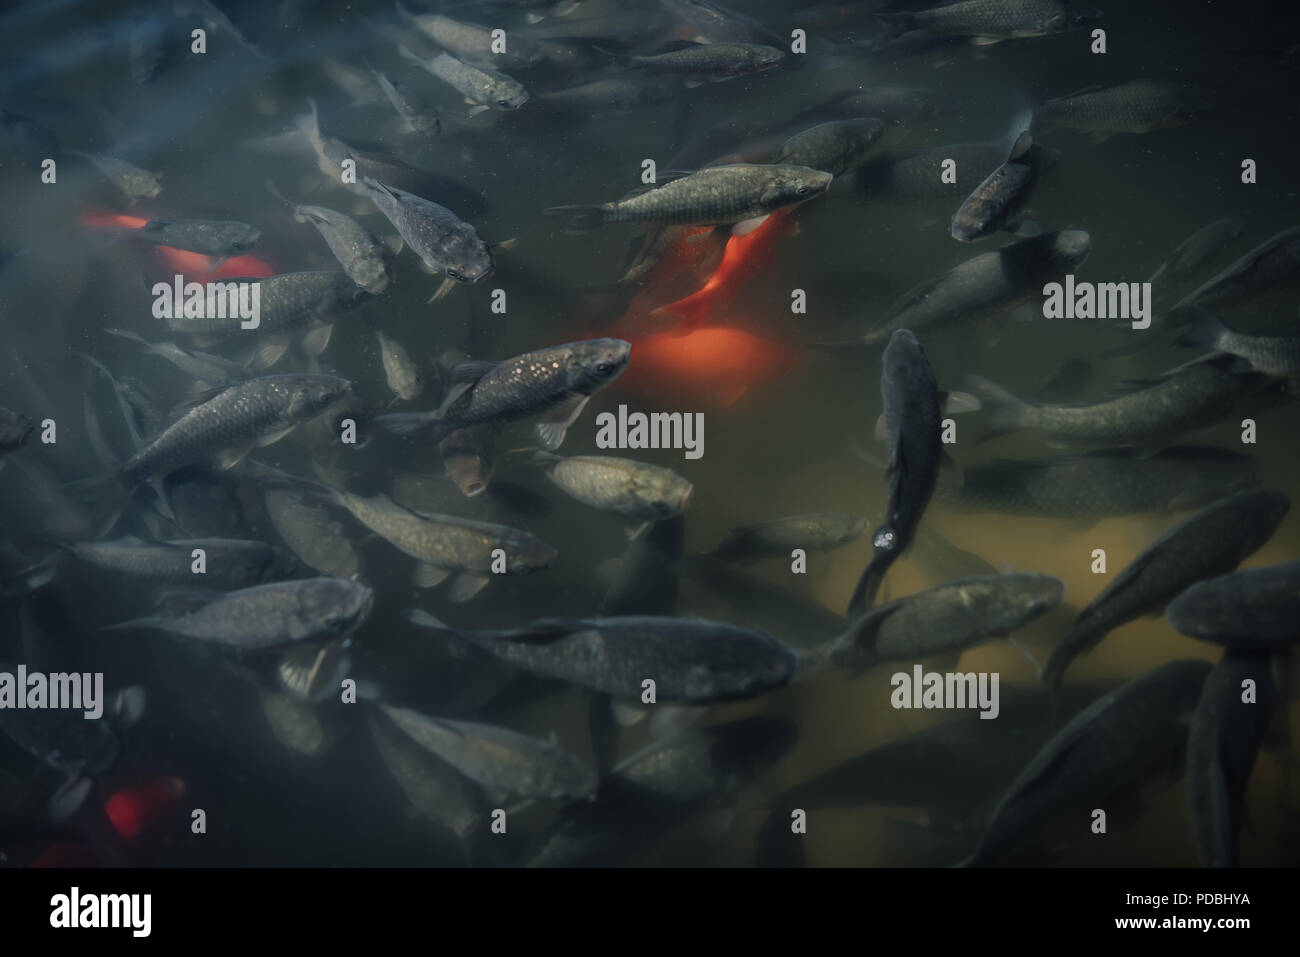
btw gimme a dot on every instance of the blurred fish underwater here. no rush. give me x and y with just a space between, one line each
639 421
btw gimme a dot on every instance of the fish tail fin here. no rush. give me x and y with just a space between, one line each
581 218
1206 331
1005 411
690 313
408 423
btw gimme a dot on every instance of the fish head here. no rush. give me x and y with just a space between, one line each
594 363
240 237
1070 247
532 554
339 604
1028 596
795 184
765 57
473 257
315 394
969 224
506 94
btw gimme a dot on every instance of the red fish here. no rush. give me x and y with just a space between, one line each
743 258
131 809
714 365
197 266
673 261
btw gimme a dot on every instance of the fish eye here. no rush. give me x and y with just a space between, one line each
802 191
503 103
602 368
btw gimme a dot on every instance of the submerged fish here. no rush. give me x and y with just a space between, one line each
1253 610
951 617
816 532
689 659
912 423
554 382
1137 106
707 197
1213 541
270 616
1110 482
257 412
1121 739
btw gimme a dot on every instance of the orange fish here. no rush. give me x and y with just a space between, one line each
743 258
672 261
712 366
197 266
112 220
130 809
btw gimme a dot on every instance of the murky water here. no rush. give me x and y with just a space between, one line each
782 414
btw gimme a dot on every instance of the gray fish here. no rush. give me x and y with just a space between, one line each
229 563
1199 248
713 23
270 616
985 284
1222 742
403 375
1273 263
988 21
1156 411
817 532
481 86
433 787
952 617
1105 483
1271 355
912 424
893 104
643 580
1254 610
288 303
638 490
689 659
755 602
556 382
502 761
15 428
416 115
200 366
257 412
1137 106
836 147
1212 542
470 41
469 456
715 60
211 237
444 545
918 175
312 534
618 94
295 723
135 183
995 203
1108 748
707 197
363 257
661 787
446 244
